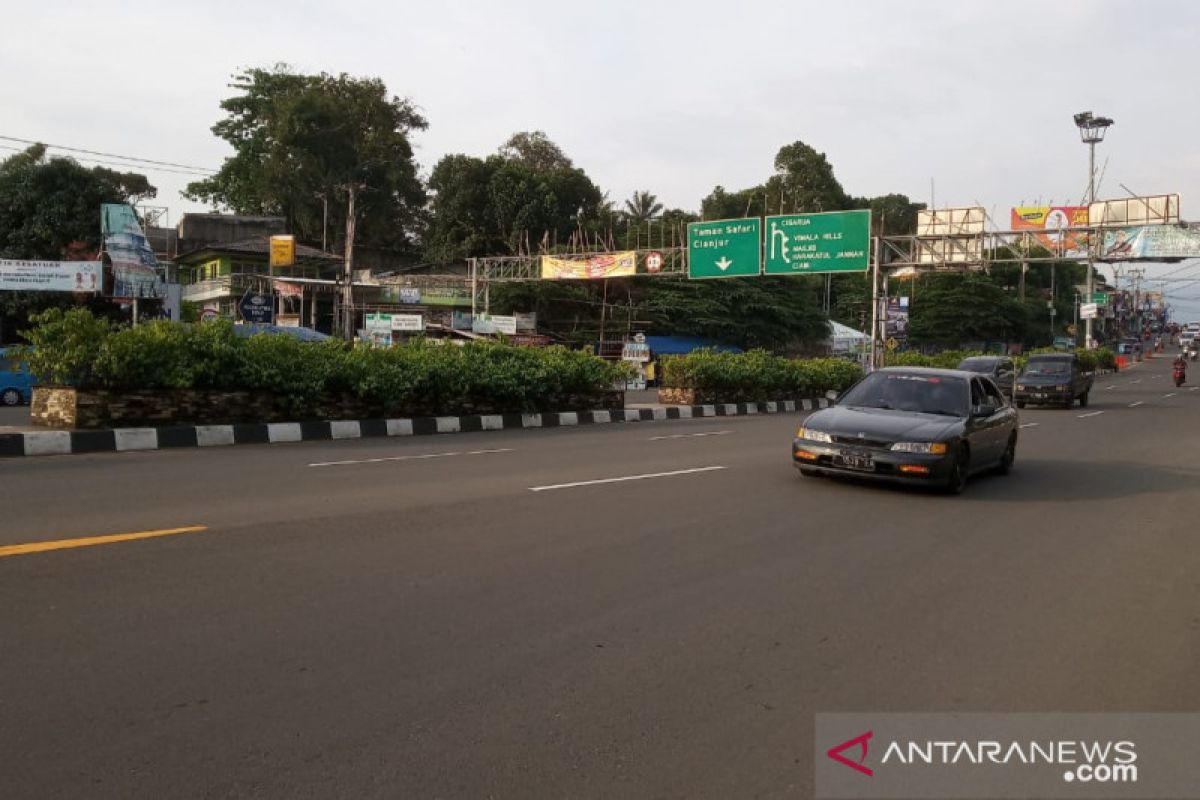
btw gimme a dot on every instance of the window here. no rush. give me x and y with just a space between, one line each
977 393
993 395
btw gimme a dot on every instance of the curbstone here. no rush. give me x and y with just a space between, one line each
38 443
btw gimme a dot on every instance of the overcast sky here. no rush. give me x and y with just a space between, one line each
676 98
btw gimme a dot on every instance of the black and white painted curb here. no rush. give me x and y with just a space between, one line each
49 443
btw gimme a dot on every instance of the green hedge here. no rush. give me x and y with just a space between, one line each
76 349
757 375
1090 360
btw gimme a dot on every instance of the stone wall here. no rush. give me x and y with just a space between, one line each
65 407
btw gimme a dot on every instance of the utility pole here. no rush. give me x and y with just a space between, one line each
348 270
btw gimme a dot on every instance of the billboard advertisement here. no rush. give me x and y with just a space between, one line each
607 265
1050 223
427 295
1150 241
51 276
135 268
897 318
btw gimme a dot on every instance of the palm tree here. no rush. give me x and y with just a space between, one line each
642 207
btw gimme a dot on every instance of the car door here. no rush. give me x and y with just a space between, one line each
982 431
1003 423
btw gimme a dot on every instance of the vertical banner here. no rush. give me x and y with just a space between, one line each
136 272
283 251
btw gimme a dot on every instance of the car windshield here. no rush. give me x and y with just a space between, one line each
921 394
1047 368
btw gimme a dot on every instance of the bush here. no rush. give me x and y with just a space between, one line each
421 377
758 376
64 346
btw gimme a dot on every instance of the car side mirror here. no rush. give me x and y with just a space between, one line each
984 410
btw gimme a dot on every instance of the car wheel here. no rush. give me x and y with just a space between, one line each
1083 400
1009 458
1020 404
10 397
959 471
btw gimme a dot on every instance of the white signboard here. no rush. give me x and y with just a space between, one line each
505 325
408 322
494 324
1088 311
1154 210
51 276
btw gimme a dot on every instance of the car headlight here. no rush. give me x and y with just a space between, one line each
927 448
1062 387
1021 386
814 436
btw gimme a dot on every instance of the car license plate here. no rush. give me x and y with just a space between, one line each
861 463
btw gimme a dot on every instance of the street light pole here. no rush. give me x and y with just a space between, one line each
1091 131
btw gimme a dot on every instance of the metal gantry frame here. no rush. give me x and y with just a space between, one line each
942 253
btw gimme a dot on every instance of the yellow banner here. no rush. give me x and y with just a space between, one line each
283 251
605 265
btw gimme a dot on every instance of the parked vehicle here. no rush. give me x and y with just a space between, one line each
1053 379
933 427
1000 369
16 385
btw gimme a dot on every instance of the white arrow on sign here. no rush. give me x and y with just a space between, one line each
723 264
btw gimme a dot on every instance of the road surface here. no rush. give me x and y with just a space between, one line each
522 614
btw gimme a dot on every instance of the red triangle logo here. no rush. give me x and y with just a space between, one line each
860 742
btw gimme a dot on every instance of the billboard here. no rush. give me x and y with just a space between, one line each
1165 242
605 265
135 268
427 295
949 236
1050 223
51 276
1160 209
897 318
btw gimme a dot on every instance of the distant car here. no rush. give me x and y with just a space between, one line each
933 427
16 385
1001 369
1053 379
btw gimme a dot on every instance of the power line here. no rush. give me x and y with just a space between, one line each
111 155
120 164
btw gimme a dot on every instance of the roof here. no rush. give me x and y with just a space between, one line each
682 345
932 371
254 246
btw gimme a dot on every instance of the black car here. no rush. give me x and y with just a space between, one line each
1055 379
1001 369
933 427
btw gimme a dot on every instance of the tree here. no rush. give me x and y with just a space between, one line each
507 202
49 206
50 210
958 308
642 207
299 139
535 150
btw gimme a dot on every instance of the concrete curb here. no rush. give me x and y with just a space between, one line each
45 443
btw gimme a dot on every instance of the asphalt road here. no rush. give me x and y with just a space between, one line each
431 626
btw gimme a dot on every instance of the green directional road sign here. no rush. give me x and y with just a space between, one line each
1100 298
803 244
726 248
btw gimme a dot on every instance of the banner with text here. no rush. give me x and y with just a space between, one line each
1051 222
51 276
608 265
1150 241
135 268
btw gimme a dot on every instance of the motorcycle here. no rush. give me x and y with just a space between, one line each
1179 374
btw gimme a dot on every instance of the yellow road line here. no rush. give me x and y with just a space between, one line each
66 544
